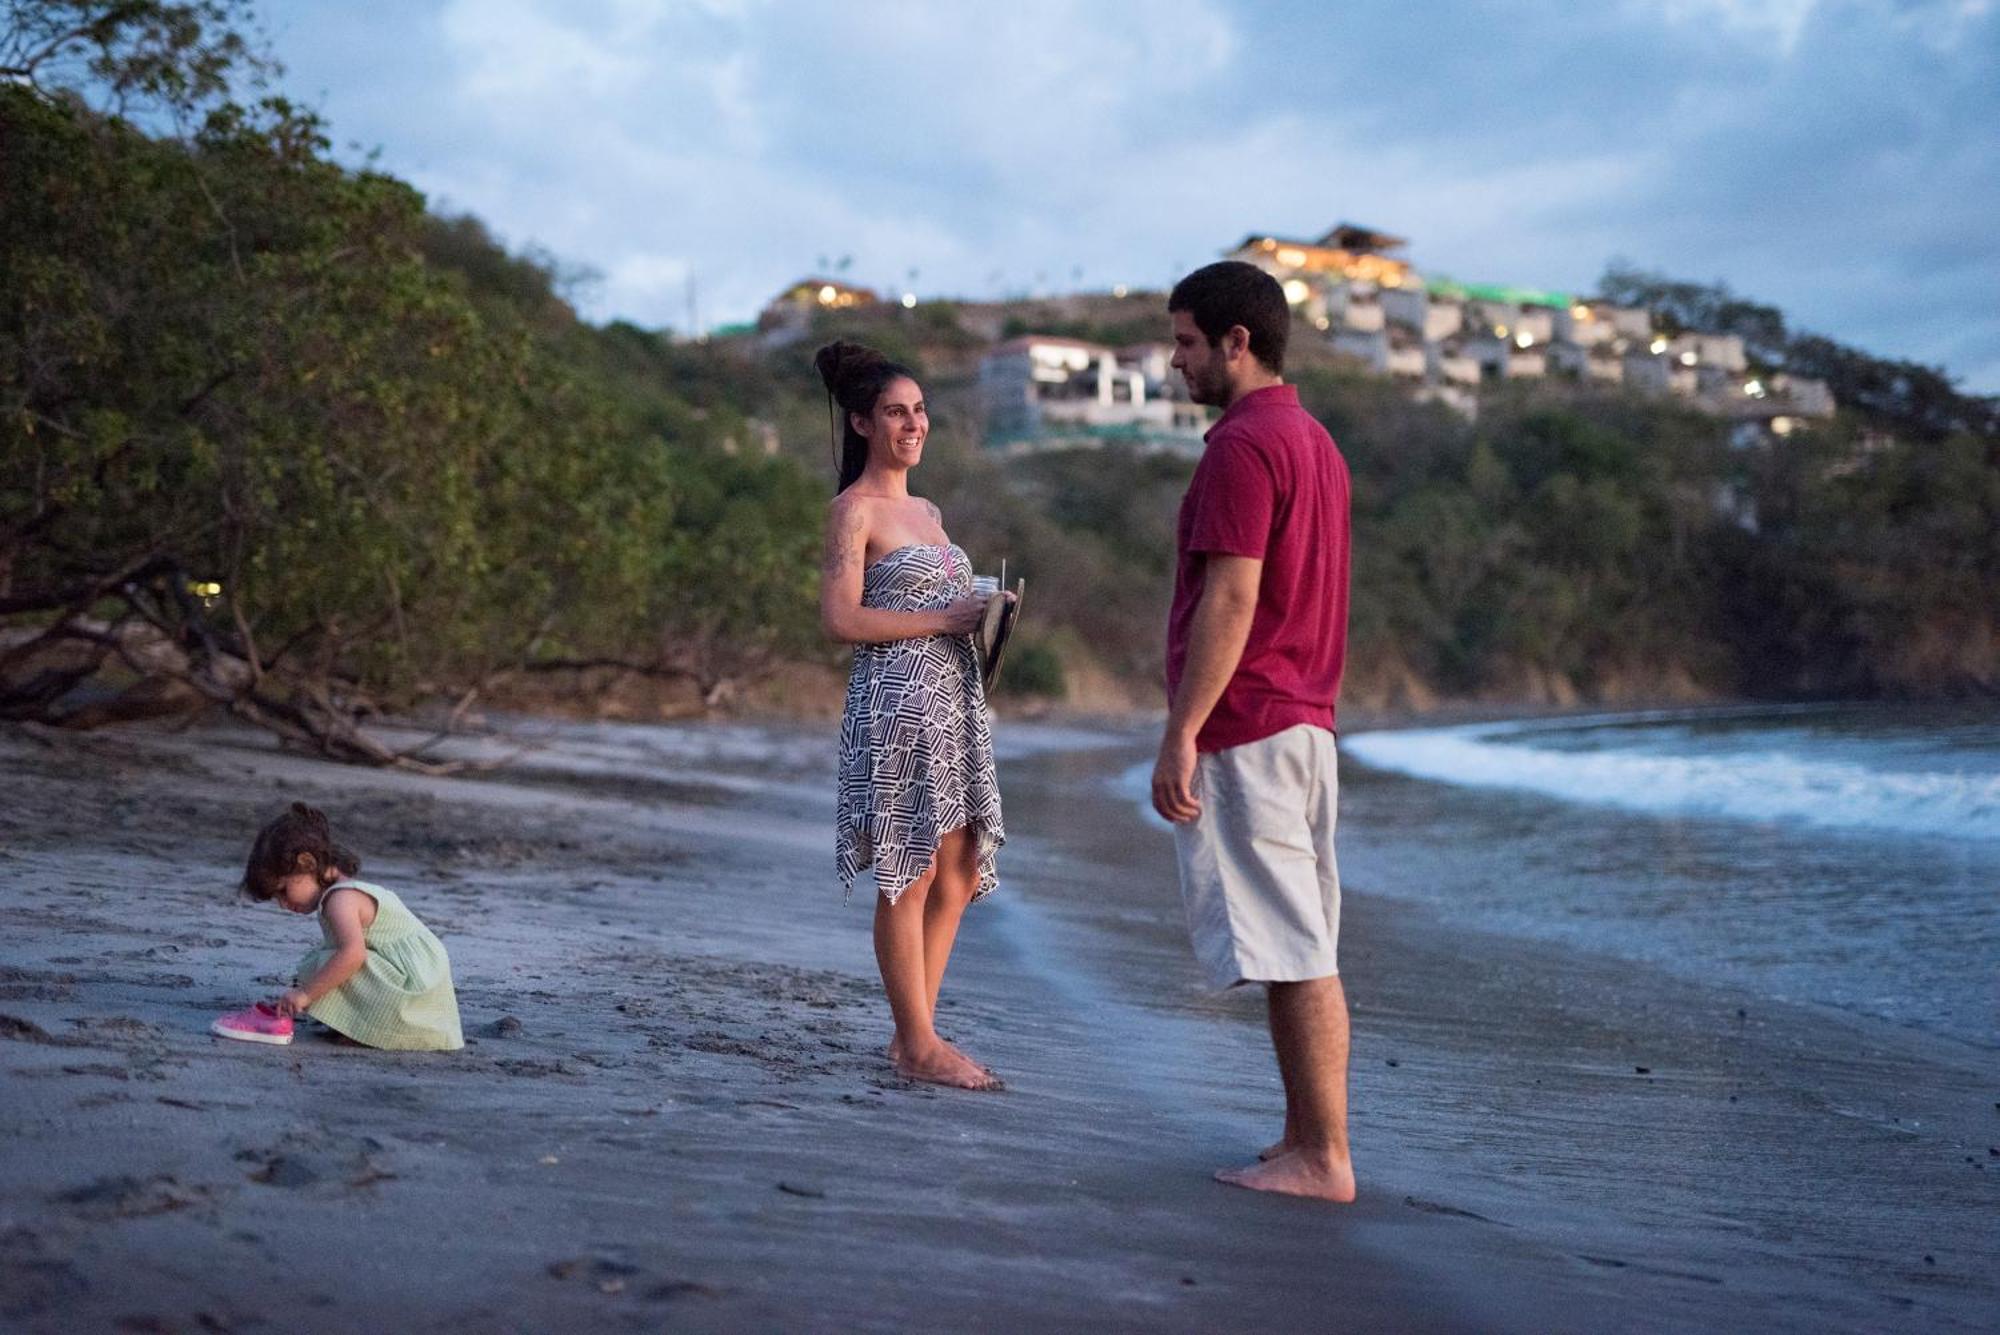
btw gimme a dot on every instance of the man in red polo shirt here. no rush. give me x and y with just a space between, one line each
1255 645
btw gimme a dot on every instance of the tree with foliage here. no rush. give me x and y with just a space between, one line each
277 440
178 57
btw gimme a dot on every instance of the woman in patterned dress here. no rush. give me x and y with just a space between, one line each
918 799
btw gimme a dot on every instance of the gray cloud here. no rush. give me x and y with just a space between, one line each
1834 157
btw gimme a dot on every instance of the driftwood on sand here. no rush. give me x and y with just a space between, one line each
158 652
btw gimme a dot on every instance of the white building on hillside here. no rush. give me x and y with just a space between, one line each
1510 356
1724 352
1566 358
1654 373
1447 364
1803 396
1046 392
1409 307
1590 323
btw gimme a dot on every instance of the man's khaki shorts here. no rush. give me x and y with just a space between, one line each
1257 866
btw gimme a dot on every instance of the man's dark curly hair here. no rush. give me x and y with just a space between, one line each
1227 293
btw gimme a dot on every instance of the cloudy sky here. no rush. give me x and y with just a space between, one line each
1837 158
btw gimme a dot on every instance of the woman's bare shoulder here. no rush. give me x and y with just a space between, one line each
854 502
848 511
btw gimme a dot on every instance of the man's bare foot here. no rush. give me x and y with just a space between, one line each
944 1064
1297 1173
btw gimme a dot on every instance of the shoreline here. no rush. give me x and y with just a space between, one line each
693 1122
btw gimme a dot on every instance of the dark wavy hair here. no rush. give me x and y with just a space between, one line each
1228 293
275 853
854 377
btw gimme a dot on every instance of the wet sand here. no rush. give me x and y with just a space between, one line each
675 1111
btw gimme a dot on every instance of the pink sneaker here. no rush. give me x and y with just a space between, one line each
260 1024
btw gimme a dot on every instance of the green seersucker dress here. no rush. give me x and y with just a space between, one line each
401 998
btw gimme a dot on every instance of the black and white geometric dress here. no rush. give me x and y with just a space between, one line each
916 750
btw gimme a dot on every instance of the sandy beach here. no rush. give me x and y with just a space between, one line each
674 1111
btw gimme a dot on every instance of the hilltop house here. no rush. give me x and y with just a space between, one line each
790 314
1347 253
1045 392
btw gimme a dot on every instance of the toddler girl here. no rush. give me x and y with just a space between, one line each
382 978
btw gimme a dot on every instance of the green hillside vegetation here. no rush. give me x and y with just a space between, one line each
276 439
1576 543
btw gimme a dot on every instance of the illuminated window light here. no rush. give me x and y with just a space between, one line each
1296 291
1295 258
1754 388
1524 339
1659 345
1689 359
827 293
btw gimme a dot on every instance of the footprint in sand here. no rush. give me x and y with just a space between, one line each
127 1197
285 1172
300 1161
612 1276
27 1031
34 1280
1637 1268
1434 1207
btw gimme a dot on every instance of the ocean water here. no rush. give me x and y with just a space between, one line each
1896 773
1846 856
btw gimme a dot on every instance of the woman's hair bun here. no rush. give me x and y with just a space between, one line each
838 361
855 377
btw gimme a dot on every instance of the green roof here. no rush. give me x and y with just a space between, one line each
1518 296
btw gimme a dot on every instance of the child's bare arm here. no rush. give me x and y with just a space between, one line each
343 910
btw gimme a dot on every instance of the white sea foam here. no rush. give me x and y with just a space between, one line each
1756 785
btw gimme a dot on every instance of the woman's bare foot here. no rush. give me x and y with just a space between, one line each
1297 1173
941 1064
896 1053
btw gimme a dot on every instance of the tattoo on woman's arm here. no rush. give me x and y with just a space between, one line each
842 531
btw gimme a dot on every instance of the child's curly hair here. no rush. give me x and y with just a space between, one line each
275 854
